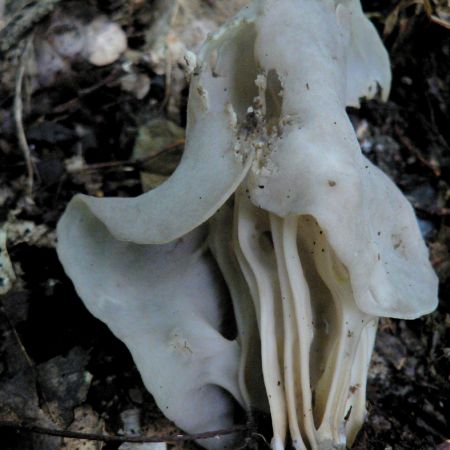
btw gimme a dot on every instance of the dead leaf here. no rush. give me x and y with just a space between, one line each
65 383
157 140
85 421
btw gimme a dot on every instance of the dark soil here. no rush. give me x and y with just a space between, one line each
85 115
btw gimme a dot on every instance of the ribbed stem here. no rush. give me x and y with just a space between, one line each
263 276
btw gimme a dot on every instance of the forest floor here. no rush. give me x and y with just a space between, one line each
70 124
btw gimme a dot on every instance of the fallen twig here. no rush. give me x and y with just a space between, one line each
120 439
128 162
429 12
70 105
393 18
433 211
412 149
18 116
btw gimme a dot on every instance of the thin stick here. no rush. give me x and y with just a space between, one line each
410 146
120 439
18 117
130 162
69 105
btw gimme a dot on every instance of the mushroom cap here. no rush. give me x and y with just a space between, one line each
367 220
216 158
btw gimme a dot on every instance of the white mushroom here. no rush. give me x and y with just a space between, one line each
314 246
